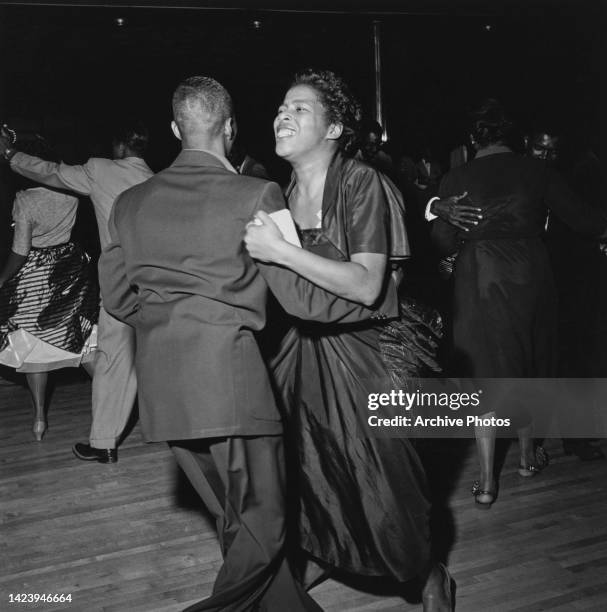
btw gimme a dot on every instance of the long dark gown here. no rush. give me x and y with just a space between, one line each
504 302
363 501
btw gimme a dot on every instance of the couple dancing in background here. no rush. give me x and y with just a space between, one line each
178 271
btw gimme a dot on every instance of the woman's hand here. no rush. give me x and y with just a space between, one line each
463 216
264 240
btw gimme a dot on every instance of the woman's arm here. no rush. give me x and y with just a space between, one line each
13 264
359 280
22 242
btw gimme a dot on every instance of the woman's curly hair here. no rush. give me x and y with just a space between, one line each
489 123
337 99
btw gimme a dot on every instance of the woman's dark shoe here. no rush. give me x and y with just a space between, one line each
526 469
583 449
483 499
438 594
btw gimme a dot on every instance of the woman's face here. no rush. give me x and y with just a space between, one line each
301 125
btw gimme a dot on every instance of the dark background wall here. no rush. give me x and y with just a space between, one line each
68 72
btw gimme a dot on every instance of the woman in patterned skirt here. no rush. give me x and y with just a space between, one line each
48 296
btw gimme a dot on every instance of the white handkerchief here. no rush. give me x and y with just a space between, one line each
286 225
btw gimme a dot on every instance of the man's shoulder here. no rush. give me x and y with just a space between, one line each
222 178
253 183
132 194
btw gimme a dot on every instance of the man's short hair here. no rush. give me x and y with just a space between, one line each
201 103
132 134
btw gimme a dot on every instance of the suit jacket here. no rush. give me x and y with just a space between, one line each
177 270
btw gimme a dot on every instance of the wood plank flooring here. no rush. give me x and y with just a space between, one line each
133 537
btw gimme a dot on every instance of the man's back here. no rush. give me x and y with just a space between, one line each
200 298
108 178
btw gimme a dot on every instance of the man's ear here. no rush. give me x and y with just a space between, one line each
335 131
176 131
230 129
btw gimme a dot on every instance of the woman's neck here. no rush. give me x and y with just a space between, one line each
310 176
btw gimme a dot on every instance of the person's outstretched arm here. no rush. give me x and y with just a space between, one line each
58 175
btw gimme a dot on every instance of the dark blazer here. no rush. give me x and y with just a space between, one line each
177 270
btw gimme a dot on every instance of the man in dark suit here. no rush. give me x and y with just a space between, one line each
178 272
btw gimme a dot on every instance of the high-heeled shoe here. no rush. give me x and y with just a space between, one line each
443 601
39 429
542 459
488 496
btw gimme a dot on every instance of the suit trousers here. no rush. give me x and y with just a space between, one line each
242 483
114 381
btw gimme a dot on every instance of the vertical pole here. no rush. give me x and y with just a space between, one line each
379 111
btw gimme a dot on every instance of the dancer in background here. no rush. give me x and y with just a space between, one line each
114 382
48 296
504 306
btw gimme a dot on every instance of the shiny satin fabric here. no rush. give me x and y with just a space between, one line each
349 180
363 503
53 296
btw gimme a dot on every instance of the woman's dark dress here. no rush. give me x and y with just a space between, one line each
363 503
504 299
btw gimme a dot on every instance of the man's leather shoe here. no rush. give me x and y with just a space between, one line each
87 453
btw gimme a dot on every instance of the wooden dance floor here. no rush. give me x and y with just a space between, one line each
132 537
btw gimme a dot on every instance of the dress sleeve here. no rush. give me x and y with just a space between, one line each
367 215
302 299
298 296
61 176
399 240
22 237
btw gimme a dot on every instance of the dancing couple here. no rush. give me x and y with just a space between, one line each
178 271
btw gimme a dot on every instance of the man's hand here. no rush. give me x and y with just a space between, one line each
461 215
